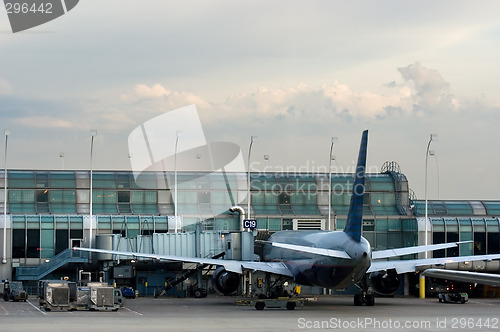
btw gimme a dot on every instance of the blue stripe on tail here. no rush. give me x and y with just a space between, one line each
355 217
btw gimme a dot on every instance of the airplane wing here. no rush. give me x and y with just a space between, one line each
375 254
313 250
403 266
465 276
230 265
413 250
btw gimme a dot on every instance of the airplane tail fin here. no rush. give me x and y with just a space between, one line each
355 216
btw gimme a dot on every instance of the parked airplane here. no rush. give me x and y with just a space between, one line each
330 259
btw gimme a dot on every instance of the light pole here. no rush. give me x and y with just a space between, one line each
177 136
433 153
4 258
266 158
334 141
198 157
252 140
61 155
93 133
433 137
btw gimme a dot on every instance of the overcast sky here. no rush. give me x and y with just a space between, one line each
293 73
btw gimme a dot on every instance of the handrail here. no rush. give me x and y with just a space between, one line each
65 256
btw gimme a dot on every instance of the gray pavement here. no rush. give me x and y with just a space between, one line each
217 313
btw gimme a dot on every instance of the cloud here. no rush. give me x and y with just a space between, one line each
421 91
158 92
43 122
432 91
5 87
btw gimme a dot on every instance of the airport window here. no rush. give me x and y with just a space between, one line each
124 197
124 208
479 243
123 181
42 180
42 208
452 237
103 180
62 180
438 237
21 179
76 234
62 240
62 196
493 243
204 197
33 243
18 243
284 198
122 232
146 197
42 196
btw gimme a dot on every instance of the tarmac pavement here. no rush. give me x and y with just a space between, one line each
218 313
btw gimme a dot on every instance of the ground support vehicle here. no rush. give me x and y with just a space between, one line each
96 296
13 291
66 295
119 298
280 303
453 297
56 294
128 292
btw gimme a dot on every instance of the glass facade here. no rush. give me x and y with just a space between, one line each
454 221
48 207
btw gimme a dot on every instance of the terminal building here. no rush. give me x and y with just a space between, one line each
48 212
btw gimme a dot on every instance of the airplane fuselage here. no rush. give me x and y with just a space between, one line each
319 270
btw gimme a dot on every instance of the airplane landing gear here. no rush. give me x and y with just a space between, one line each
364 297
366 294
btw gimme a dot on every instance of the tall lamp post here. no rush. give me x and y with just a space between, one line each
433 153
266 158
177 136
61 155
334 141
433 137
93 133
4 258
252 140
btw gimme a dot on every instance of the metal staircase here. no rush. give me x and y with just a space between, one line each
64 257
186 273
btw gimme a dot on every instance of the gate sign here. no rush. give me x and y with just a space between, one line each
250 223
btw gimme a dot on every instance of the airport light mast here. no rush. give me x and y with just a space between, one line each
433 137
4 258
177 136
93 133
252 140
334 141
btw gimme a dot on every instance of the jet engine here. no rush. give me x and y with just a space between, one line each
384 282
225 282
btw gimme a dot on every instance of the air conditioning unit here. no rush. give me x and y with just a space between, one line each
308 224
